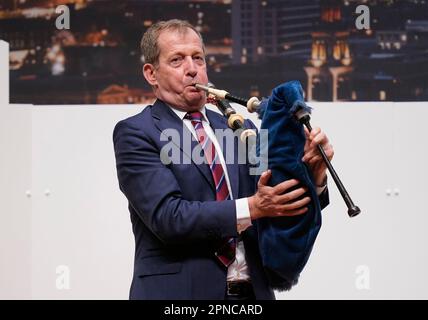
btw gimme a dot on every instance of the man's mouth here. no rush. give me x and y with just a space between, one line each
192 87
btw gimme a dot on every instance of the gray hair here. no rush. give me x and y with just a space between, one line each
149 43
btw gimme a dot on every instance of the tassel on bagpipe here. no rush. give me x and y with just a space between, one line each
286 242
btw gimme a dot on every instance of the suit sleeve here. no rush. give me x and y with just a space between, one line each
154 193
324 198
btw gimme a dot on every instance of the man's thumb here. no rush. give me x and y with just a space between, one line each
264 178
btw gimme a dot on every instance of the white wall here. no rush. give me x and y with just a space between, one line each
15 179
60 204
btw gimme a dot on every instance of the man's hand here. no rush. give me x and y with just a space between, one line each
312 156
277 201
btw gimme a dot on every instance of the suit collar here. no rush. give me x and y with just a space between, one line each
181 114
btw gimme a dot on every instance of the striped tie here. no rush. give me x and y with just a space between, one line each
226 253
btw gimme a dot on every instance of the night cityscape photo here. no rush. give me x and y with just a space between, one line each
251 45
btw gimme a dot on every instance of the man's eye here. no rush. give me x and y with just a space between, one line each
176 60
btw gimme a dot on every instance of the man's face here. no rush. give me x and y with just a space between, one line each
181 64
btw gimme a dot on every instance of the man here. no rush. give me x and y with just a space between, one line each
187 216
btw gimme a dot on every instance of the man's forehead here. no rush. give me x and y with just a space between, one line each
178 34
174 38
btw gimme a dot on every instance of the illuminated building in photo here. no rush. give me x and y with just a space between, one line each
331 60
264 29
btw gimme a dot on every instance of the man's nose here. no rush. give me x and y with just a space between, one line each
191 68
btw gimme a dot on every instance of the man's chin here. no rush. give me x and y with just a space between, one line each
195 102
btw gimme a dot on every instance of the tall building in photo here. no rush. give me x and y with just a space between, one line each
262 29
396 68
330 63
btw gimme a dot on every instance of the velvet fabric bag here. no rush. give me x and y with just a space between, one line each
286 242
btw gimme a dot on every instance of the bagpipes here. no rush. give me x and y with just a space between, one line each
285 242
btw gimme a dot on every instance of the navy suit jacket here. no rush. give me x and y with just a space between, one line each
176 221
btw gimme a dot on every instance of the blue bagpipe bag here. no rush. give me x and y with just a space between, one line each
286 242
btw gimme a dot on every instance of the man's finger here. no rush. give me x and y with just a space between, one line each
298 212
280 188
314 159
307 133
314 153
309 155
329 151
296 205
292 195
315 131
320 138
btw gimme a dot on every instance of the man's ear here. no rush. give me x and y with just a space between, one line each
149 72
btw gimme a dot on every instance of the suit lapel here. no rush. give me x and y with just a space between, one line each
166 119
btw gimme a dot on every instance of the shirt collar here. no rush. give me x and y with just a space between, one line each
181 114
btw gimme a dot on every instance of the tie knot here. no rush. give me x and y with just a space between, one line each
194 116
